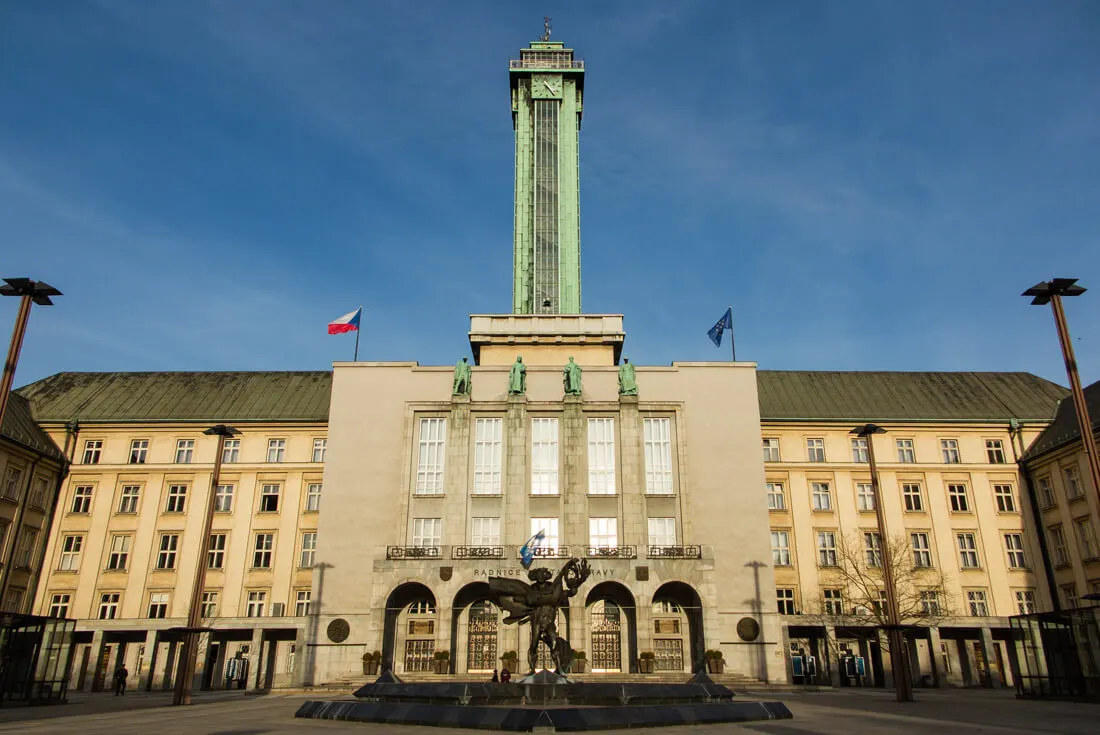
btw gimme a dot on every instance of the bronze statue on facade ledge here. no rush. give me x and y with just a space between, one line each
539 602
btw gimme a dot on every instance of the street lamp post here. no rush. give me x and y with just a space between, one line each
29 292
189 654
899 658
1052 292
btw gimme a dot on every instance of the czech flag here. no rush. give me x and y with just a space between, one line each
347 323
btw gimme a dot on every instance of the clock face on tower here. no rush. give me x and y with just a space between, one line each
546 86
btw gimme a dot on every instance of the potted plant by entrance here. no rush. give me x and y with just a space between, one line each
715 663
371 660
579 662
442 662
646 662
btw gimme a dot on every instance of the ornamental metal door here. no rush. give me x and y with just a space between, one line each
669 654
481 644
607 638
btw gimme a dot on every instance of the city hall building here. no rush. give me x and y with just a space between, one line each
720 508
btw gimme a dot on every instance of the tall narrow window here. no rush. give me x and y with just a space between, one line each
784 596
429 466
771 449
301 603
859 449
546 162
911 494
549 528
82 499
93 450
23 555
930 602
139 449
976 602
995 451
158 605
1046 493
128 499
223 499
313 496
603 532
215 552
485 532
269 497
922 549
1086 538
1073 483
826 548
262 550
1006 502
1014 545
833 601
658 455
949 448
427 531
71 546
601 456
59 605
865 496
544 456
119 554
276 450
185 451
777 500
209 605
662 531
822 496
1025 602
815 450
968 550
231 451
488 452
781 548
956 494
906 453
257 604
108 605
872 548
169 546
177 499
309 550
1058 545
320 446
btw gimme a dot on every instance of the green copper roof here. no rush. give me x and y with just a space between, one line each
20 428
1065 429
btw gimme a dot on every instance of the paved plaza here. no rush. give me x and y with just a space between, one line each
839 712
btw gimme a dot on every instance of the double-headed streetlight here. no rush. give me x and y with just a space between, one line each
30 292
190 652
899 662
1051 292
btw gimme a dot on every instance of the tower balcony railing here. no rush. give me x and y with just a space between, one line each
544 64
674 552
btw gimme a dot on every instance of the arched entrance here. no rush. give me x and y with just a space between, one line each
674 605
409 627
475 630
612 628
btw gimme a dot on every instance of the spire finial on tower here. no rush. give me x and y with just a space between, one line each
545 28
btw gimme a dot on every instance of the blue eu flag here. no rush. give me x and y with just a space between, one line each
527 551
726 322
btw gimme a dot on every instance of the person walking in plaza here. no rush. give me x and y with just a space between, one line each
120 680
495 678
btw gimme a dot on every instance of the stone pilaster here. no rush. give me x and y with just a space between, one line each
934 646
989 653
517 448
832 656
632 477
574 485
456 478
97 654
255 660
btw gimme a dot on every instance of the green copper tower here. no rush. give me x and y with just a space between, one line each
547 86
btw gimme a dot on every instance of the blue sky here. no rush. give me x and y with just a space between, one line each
871 185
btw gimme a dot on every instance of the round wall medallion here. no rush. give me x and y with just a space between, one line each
339 629
748 629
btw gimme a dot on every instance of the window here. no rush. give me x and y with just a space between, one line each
995 451
261 552
427 531
1006 502
27 538
815 450
956 494
771 449
968 550
71 546
785 597
976 602
309 550
1014 545
313 496
485 532
12 476
209 605
922 550
1069 594
781 548
1025 601
776 499
139 449
185 450
320 446
906 453
215 552
911 494
662 531
276 450
822 497
108 605
93 450
38 493
128 499
833 602
549 528
120 553
301 603
949 448
872 548
603 532
1058 545
166 556
429 467
1086 538
657 435
826 548
544 456
930 602
59 605
257 603
1073 483
231 452
859 449
269 498
601 456
865 496
223 499
487 455
82 499
177 499
158 605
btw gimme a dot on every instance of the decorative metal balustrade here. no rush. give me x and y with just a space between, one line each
550 552
544 64
613 552
414 552
477 552
674 552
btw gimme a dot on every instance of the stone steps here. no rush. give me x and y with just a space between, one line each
732 680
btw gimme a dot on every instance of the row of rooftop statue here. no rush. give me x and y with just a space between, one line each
517 378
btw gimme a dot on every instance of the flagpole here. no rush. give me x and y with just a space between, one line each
733 344
357 331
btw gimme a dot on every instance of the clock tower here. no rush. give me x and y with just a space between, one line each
547 86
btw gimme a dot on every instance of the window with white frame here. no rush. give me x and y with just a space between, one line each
158 605
906 453
1006 501
128 498
995 451
784 596
657 435
223 499
859 449
826 548
185 451
108 605
119 555
977 604
1025 601
1046 493
1014 546
427 531
777 499
956 496
177 499
662 531
301 603
968 550
215 551
601 456
269 497
262 550
781 548
139 450
544 456
59 605
488 454
276 450
208 607
549 528
815 450
833 601
1069 595
1058 545
313 496
93 450
231 451
821 495
166 553
257 604
912 497
430 455
320 446
1086 539
930 602
82 499
309 550
771 449
1073 482
865 496
485 531
23 555
603 532
71 546
949 448
922 549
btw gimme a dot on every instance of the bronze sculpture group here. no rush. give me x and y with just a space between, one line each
517 378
